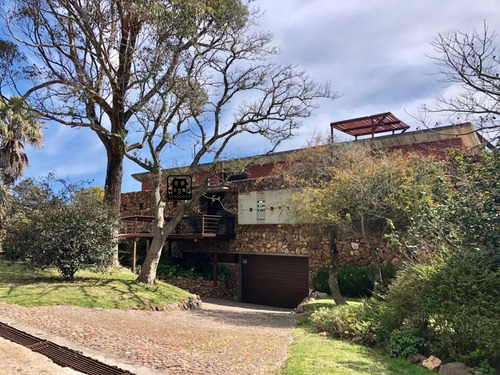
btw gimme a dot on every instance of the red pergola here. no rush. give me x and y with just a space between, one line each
381 123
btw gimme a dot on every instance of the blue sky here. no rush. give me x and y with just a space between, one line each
374 53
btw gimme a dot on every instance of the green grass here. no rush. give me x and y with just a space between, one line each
114 289
313 354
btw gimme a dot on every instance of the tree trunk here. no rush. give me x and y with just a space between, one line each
377 286
148 269
333 273
161 232
113 187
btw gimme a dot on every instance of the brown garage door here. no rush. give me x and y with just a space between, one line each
274 280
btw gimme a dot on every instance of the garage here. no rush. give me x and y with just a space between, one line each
274 280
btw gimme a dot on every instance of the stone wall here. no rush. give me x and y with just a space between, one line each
142 203
358 252
206 288
295 240
270 239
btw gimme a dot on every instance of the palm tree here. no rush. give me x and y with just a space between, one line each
18 126
4 194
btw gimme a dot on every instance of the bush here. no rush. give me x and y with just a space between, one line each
403 342
169 269
354 281
453 302
125 251
70 229
192 265
348 322
320 279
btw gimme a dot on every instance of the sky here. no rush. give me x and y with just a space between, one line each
376 55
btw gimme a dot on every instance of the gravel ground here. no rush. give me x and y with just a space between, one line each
221 338
16 359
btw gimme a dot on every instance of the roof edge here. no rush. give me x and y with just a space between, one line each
409 137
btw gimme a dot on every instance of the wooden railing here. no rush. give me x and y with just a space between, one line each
197 226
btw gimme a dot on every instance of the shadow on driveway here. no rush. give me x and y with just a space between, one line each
246 314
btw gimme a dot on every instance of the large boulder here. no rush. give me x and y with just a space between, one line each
432 363
456 368
193 302
416 359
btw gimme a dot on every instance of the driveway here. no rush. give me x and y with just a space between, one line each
221 338
16 359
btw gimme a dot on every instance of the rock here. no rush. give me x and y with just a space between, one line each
355 245
194 302
432 363
318 295
300 309
416 359
456 368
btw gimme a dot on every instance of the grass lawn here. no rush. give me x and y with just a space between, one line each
313 354
115 289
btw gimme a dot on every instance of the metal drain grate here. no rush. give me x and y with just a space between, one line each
60 355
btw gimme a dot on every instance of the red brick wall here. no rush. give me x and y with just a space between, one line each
436 148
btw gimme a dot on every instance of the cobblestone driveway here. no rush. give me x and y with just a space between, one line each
221 338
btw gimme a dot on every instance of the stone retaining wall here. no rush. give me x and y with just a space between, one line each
203 288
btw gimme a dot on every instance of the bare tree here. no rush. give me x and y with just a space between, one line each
231 89
471 61
102 64
351 191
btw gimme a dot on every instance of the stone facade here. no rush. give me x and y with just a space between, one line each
281 239
265 239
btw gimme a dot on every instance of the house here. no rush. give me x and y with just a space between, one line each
240 224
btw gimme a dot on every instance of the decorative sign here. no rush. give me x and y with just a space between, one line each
179 187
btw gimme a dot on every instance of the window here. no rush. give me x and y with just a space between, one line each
261 209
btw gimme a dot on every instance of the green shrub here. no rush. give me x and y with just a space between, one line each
348 322
69 229
485 368
320 279
477 358
125 251
223 275
354 281
403 342
192 265
453 302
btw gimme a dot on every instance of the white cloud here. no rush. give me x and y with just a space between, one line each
373 53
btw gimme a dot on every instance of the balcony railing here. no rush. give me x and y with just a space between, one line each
198 226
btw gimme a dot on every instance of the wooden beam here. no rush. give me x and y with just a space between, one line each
134 254
214 262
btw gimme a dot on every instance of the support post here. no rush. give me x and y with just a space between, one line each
214 262
134 254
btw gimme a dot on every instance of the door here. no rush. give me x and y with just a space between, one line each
274 280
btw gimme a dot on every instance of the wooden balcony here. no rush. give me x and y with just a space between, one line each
190 227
